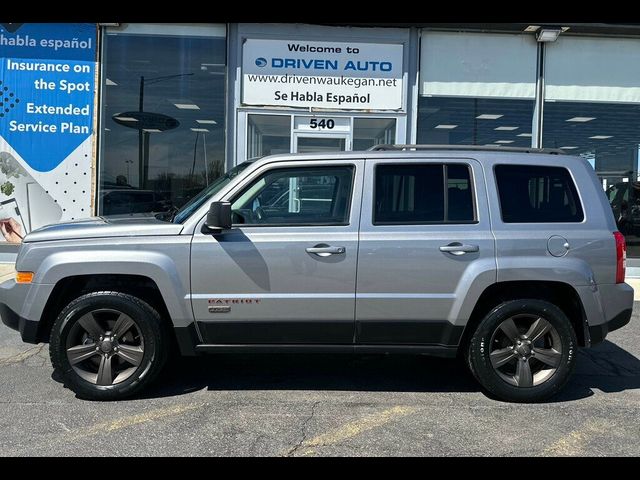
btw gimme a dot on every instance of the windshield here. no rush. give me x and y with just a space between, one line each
201 198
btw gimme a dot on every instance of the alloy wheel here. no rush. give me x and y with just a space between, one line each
105 347
525 350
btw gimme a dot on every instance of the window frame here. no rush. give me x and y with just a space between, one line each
445 178
573 186
351 166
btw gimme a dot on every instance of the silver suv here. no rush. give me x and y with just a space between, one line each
507 258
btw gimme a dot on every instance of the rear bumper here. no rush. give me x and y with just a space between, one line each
599 332
615 304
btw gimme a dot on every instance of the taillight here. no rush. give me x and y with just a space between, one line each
621 257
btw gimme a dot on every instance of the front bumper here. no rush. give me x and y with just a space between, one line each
21 307
28 328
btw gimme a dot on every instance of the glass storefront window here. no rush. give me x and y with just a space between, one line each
268 135
474 121
476 89
608 137
163 115
368 132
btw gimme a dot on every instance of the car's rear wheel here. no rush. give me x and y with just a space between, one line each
108 345
523 350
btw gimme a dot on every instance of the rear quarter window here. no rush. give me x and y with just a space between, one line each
535 194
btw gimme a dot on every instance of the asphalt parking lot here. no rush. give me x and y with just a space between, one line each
323 405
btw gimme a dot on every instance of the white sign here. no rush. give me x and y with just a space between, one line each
337 75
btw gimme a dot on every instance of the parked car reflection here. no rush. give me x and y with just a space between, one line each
127 201
624 198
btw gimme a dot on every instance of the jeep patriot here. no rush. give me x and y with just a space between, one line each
507 258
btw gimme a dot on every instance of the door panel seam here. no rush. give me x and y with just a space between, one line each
355 285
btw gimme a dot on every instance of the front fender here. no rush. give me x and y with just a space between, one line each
171 279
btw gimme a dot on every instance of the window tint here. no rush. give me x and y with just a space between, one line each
300 196
406 194
530 194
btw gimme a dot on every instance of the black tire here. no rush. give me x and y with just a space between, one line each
154 342
490 379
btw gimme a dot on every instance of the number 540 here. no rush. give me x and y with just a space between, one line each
323 123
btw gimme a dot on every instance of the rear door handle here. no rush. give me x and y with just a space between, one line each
457 248
324 250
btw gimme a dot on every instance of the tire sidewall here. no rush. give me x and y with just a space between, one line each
480 347
140 312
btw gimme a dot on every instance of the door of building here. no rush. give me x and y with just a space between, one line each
269 133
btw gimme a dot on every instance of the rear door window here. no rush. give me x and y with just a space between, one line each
423 194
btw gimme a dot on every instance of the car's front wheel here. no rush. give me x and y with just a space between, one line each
108 345
523 350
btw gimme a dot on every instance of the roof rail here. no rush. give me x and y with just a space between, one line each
485 148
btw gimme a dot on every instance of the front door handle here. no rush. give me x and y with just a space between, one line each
324 250
457 248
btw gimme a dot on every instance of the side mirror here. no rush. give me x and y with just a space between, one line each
219 216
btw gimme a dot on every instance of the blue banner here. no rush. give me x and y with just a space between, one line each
47 88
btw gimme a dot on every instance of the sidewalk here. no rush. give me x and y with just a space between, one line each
635 283
6 271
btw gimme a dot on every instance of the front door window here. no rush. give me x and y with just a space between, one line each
296 196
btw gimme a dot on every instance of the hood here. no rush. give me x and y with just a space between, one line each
104 227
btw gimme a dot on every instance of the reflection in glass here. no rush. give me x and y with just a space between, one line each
607 135
475 121
368 132
205 195
162 130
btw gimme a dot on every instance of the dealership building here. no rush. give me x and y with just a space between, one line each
132 117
